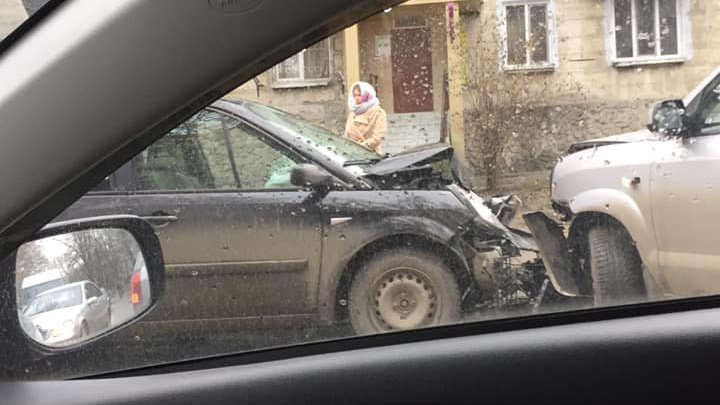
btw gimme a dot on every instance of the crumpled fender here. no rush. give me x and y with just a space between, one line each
420 226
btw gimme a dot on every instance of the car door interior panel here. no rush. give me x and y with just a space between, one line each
642 359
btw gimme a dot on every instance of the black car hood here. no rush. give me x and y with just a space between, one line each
421 155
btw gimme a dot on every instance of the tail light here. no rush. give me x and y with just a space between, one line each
136 291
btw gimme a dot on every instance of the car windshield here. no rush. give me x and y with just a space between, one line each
333 146
56 299
29 292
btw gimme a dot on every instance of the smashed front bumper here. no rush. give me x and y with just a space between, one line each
560 263
505 268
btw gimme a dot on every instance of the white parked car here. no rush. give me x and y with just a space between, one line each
32 286
641 207
64 314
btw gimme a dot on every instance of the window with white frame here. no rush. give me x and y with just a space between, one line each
527 30
648 31
311 67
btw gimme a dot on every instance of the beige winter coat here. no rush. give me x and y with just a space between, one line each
368 129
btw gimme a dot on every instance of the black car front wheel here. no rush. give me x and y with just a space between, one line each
403 289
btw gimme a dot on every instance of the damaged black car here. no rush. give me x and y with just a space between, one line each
266 219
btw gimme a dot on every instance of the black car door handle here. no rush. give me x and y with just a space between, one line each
159 219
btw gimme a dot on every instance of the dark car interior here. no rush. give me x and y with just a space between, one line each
652 353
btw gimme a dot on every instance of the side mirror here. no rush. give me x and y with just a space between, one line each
50 271
668 118
307 175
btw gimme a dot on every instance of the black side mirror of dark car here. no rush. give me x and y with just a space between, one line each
308 175
668 118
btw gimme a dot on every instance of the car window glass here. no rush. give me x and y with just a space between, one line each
457 162
194 156
55 299
259 165
712 109
336 147
92 291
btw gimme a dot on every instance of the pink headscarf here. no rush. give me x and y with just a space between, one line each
368 98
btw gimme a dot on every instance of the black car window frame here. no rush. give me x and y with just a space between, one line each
136 181
346 178
343 179
271 141
249 182
120 182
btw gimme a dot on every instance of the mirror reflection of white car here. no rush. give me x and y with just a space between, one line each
36 284
66 314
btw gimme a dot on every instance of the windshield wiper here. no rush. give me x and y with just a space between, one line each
361 162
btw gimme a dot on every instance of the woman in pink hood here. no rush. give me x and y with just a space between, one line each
367 122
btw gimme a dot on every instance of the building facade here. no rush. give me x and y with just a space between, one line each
606 62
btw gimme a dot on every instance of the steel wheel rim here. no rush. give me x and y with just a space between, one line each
403 298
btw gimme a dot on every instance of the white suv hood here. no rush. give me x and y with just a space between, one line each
636 136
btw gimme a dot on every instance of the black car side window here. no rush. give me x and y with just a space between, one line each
260 166
193 156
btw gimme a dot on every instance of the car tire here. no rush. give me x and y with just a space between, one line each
403 289
615 266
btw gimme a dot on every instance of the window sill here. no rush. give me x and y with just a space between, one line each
529 68
295 84
643 62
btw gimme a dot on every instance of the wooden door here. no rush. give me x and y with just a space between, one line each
412 70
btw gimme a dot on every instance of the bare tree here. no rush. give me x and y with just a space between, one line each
31 259
104 256
505 106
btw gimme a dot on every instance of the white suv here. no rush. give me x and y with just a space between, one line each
642 207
